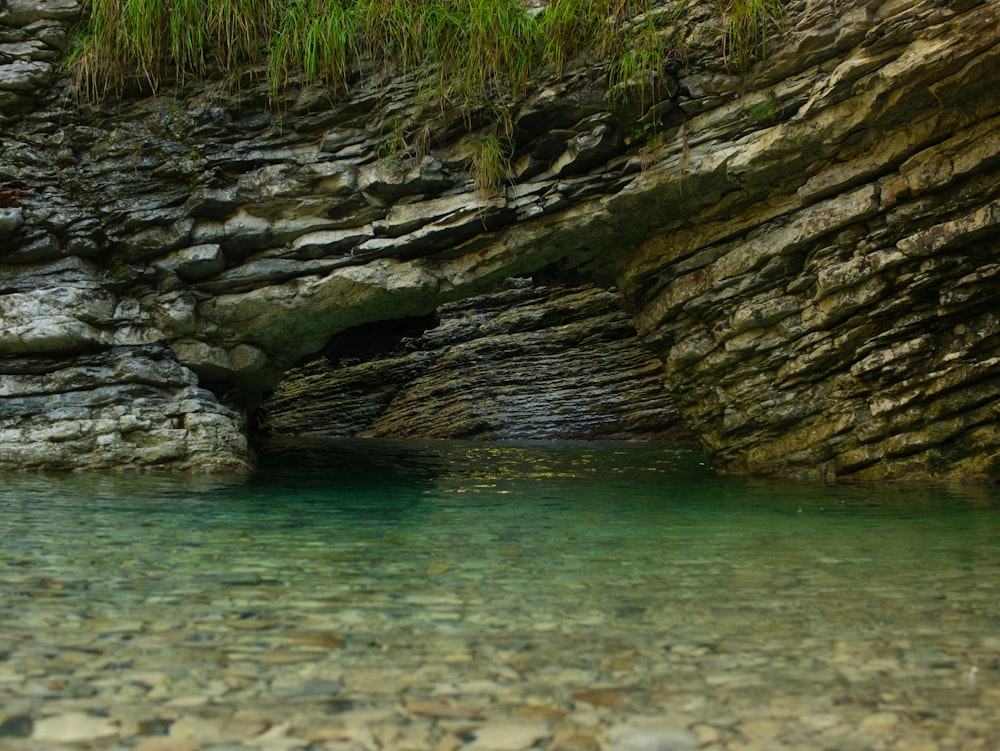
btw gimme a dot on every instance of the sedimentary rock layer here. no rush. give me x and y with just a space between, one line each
808 246
833 311
525 361
127 407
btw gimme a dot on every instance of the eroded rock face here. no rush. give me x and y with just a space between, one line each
810 249
839 319
524 362
127 407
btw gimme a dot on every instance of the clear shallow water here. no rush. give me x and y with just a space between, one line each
366 595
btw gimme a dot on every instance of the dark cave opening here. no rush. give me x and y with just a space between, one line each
529 359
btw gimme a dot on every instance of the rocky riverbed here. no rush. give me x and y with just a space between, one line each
469 597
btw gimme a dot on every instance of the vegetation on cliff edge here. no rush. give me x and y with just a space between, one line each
470 53
474 50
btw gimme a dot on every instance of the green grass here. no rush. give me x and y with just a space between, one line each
745 25
764 111
470 52
635 67
315 40
151 38
569 28
490 163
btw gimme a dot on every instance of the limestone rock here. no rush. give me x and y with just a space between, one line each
524 361
124 407
74 727
11 220
512 735
23 12
23 75
651 734
807 247
196 262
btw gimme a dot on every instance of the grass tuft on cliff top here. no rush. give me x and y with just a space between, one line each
476 50
745 28
470 53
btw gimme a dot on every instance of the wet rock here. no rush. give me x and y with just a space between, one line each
313 689
880 723
247 724
123 407
24 12
11 219
651 735
390 179
56 318
74 727
573 740
600 697
508 736
196 262
440 710
17 726
591 148
205 729
169 744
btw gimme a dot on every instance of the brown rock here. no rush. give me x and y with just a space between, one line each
440 710
169 744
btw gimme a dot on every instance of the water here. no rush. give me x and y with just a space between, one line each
379 595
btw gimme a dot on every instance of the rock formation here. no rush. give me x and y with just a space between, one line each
809 248
524 361
127 407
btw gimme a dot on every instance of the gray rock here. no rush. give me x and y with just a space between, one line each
195 263
24 12
520 362
389 179
24 75
10 220
124 407
651 735
806 247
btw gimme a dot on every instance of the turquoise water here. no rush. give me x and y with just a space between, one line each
359 595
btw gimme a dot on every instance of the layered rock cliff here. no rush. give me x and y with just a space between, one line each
523 362
809 248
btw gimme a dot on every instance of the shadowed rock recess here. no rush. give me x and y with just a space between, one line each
521 362
809 249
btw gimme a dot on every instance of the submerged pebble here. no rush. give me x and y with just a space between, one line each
74 727
651 735
641 610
